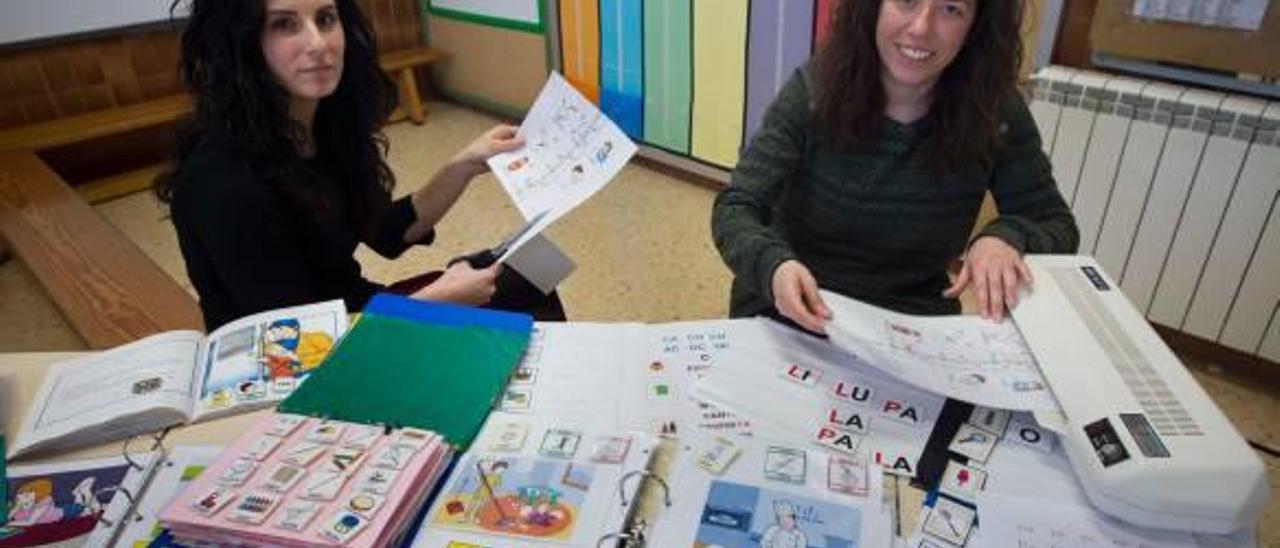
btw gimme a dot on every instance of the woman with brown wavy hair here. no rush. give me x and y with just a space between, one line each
872 163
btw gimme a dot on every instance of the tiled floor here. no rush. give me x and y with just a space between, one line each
643 249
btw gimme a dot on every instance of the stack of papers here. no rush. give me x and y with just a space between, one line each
291 480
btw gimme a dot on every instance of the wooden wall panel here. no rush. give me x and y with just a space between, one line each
66 78
71 77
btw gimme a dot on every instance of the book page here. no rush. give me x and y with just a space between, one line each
256 360
89 392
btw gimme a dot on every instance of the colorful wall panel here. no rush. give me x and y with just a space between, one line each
692 77
668 74
719 79
621 65
580 45
781 34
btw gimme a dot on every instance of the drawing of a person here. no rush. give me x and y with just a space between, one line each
279 348
785 533
288 351
33 504
82 500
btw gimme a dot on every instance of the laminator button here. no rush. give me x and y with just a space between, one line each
1106 443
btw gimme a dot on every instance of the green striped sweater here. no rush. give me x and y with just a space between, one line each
875 225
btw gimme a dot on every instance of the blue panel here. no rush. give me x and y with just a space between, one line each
395 306
622 64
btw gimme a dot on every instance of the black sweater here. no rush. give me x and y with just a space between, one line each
251 246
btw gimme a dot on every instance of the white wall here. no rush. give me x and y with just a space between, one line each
24 20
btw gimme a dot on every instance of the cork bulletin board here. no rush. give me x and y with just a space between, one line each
1116 31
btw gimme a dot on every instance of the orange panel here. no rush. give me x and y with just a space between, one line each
580 46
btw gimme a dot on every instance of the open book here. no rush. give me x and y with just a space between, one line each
178 377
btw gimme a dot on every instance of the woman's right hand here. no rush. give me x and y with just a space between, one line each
461 284
795 295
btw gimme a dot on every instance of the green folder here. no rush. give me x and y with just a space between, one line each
412 363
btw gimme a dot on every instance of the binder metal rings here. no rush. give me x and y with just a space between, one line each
622 486
625 538
157 442
130 510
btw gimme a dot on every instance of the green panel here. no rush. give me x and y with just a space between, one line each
535 28
391 370
667 69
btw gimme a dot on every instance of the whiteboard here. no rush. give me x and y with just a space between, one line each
25 20
517 13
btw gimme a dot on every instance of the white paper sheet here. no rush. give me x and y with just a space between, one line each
1051 523
571 151
1032 499
660 388
751 380
963 357
1237 14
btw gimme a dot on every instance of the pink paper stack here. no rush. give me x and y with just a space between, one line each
297 481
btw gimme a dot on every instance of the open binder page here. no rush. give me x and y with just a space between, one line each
804 386
964 357
659 386
136 522
60 503
531 481
758 491
575 371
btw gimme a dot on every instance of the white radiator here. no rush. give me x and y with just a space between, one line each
1175 193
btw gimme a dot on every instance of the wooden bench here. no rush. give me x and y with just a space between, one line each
108 289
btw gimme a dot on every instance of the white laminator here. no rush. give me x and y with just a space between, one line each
1147 444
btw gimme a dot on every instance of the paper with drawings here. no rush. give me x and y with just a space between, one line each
752 503
660 392
1031 496
794 383
571 151
963 357
625 375
1051 523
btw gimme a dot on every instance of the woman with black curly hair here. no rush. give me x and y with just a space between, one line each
872 163
280 173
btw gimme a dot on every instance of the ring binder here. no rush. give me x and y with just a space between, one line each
157 442
622 486
128 495
634 536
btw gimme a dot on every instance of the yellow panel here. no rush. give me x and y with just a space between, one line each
719 79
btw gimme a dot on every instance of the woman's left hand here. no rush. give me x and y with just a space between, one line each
996 271
501 138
